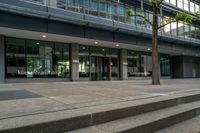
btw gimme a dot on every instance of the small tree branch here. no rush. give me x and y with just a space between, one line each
169 22
160 2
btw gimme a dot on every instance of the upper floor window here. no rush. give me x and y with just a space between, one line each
173 2
196 8
167 1
186 5
192 8
180 4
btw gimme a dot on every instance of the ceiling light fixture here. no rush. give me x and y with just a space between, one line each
44 36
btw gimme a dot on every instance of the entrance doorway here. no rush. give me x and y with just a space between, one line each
100 68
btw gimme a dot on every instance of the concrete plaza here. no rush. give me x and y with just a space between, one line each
22 99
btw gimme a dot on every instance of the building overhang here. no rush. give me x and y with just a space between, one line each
17 33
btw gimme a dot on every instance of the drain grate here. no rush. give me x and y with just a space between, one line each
17 94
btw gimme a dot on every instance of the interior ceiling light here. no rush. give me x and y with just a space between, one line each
44 36
96 42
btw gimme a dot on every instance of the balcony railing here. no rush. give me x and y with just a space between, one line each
115 11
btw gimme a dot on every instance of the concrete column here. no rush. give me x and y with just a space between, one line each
123 64
2 59
52 3
74 62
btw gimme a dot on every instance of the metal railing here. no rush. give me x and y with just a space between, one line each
114 11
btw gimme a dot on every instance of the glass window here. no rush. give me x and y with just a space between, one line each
84 61
180 4
40 64
192 32
114 66
61 4
180 29
121 13
93 7
165 66
192 8
140 21
34 59
15 57
196 8
79 6
173 2
146 65
186 5
167 1
133 61
186 30
174 29
197 32
167 27
114 54
84 66
102 8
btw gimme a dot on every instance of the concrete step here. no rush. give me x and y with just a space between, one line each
148 122
189 126
68 120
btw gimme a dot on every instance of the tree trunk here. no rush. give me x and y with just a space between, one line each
155 58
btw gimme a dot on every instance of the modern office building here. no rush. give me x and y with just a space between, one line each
53 40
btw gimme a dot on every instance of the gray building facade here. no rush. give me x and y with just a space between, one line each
63 40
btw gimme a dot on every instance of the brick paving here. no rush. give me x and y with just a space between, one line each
57 96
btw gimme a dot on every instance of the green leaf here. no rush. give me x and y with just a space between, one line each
184 17
153 2
129 13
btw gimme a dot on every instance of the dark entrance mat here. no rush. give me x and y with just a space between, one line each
17 94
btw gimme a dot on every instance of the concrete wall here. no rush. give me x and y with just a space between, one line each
2 59
123 64
191 67
185 67
74 62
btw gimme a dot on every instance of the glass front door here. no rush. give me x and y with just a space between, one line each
100 69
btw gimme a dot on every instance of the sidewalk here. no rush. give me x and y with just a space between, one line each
22 99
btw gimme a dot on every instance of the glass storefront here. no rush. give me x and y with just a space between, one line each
84 62
165 66
140 64
37 59
98 63
27 58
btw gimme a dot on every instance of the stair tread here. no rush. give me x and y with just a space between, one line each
66 120
189 126
135 121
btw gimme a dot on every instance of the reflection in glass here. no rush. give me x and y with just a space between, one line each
15 57
174 29
180 29
34 59
186 5
165 66
140 64
84 66
133 61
